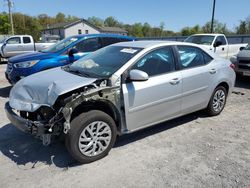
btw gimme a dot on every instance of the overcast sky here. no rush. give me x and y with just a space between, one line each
175 13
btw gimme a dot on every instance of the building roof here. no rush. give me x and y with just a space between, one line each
112 29
69 24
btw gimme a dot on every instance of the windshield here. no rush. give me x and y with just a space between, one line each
247 47
200 39
61 45
104 62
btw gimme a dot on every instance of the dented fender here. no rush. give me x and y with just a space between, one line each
104 94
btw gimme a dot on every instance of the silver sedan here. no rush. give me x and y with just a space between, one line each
117 90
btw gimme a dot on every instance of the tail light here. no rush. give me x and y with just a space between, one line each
232 66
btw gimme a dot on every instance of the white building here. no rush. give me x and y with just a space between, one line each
82 26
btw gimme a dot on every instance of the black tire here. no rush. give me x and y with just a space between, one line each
210 109
78 124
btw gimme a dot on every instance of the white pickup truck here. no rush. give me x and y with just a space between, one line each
19 44
217 43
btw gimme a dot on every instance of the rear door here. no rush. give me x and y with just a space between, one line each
198 76
158 98
28 44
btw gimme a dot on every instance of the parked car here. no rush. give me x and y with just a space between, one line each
242 61
60 54
20 44
117 90
216 43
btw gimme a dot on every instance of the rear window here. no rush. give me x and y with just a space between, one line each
26 40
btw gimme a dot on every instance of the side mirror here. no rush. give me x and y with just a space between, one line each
72 51
242 48
137 76
217 43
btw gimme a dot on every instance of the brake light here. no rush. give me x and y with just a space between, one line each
232 66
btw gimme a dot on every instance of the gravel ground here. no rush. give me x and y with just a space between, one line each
192 151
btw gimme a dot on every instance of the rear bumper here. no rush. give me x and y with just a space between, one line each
25 125
243 72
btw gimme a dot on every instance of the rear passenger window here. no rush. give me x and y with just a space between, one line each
26 40
109 40
124 40
192 57
207 58
157 62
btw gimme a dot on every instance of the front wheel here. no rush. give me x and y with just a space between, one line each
217 101
91 136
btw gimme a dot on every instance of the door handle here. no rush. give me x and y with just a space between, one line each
175 81
212 71
223 49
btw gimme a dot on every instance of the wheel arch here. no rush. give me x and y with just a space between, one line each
223 84
101 105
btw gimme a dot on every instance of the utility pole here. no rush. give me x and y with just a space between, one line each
212 21
10 5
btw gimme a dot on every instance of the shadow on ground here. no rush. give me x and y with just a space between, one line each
23 148
5 91
242 82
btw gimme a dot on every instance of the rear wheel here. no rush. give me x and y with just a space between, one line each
217 101
91 136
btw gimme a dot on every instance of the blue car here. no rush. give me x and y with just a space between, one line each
62 53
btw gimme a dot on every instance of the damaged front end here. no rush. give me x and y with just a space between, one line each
42 123
46 122
95 96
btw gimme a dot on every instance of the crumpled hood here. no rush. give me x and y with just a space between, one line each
31 56
43 88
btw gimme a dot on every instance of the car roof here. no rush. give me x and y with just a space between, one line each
151 43
207 34
103 35
156 43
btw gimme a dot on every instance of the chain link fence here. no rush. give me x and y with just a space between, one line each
232 39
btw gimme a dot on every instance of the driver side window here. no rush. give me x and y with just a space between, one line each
14 40
221 39
88 45
157 62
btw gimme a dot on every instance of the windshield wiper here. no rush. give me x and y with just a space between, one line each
76 71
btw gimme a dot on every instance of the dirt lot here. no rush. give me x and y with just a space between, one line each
192 151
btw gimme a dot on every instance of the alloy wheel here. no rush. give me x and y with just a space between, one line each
95 138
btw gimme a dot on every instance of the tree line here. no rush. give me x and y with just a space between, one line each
32 25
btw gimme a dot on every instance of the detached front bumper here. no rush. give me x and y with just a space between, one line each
25 125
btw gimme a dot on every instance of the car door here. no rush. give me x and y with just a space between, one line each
221 50
28 45
198 77
12 47
158 98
